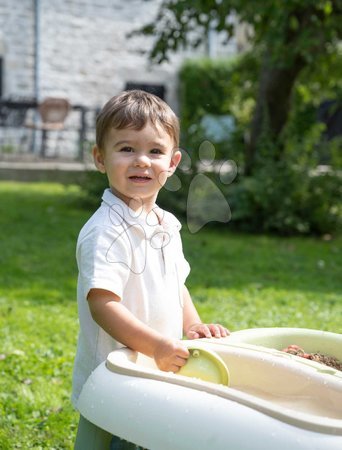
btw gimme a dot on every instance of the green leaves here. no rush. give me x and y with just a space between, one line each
304 26
327 8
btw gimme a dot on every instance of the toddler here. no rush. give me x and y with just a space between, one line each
132 271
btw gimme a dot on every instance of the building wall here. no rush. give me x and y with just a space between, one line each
84 53
17 47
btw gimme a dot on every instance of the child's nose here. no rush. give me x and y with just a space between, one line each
142 160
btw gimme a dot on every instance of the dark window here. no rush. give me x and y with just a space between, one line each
156 89
1 66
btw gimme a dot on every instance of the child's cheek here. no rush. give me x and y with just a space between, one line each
162 177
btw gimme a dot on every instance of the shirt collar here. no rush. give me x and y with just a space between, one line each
156 220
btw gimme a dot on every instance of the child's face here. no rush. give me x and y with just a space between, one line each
137 162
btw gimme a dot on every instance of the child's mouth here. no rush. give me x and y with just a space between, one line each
140 179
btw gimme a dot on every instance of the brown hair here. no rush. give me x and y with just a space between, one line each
133 109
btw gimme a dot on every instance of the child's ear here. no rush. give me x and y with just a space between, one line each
175 160
98 156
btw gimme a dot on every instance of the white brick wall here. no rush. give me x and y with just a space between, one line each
84 52
17 46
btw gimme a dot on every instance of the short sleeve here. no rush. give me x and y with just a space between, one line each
104 260
183 267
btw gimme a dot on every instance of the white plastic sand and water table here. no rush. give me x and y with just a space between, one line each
245 393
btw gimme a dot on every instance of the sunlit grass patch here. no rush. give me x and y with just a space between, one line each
239 280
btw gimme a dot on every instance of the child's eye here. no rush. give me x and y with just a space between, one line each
157 151
126 149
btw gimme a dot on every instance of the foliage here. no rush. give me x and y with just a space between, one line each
217 86
223 87
287 200
289 37
92 187
184 23
282 196
253 281
228 86
312 90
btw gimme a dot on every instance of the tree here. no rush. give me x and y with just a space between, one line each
289 36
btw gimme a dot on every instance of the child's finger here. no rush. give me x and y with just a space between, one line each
219 331
224 331
215 330
192 334
180 361
205 331
183 353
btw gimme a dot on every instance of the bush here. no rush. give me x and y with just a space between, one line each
287 196
217 88
92 186
287 200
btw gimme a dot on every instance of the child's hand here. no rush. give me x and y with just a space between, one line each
170 355
202 330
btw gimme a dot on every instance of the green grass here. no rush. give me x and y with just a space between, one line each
240 280
38 316
261 281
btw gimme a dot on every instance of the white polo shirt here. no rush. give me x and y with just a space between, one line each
137 256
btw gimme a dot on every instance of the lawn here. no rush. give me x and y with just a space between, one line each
240 280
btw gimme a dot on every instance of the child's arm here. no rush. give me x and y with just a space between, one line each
108 312
192 325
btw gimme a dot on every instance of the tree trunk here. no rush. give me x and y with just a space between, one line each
272 108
